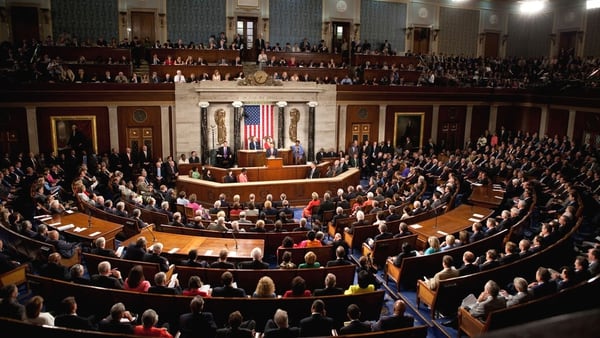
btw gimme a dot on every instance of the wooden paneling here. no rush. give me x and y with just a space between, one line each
480 121
451 127
586 121
44 129
152 125
558 119
526 119
492 44
361 114
13 131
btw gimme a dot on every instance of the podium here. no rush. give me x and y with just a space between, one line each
251 158
274 162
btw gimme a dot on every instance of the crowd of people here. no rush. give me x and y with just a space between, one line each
556 174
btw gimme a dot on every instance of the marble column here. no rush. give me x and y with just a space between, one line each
237 118
204 145
280 123
468 122
311 130
570 124
543 120
434 124
113 120
32 129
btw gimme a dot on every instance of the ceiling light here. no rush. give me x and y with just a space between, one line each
532 7
591 4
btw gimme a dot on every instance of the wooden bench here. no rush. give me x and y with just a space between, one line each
98 55
148 216
31 250
413 268
409 76
384 248
307 57
210 56
247 279
162 70
573 299
97 301
124 265
450 292
313 74
379 60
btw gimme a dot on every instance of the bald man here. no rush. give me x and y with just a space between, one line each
396 321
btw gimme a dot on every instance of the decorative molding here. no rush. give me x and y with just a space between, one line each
237 104
203 104
281 104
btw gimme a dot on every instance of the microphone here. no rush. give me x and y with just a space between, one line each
89 218
234 240
152 233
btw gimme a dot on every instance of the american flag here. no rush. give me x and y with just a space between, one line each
258 121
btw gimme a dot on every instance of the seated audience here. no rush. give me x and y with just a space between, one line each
197 322
355 325
265 288
136 281
148 327
298 289
397 320
227 290
362 285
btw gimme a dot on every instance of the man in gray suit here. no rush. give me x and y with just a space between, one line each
449 271
489 300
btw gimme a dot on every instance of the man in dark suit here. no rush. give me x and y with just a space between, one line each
229 178
101 249
154 257
543 286
127 161
197 323
256 262
119 320
278 327
69 317
222 263
396 321
194 157
330 288
469 265
224 156
317 324
259 44
254 144
227 290
161 285
54 268
107 277
136 251
313 172
355 325
145 158
340 254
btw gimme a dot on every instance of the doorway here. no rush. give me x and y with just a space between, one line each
247 29
340 39
492 44
25 25
143 26
361 132
421 36
566 44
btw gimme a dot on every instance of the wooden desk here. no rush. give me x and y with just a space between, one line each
209 55
297 188
486 196
251 158
451 222
208 247
100 227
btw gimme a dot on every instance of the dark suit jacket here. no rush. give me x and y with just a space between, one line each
228 291
104 252
393 322
228 332
254 264
328 292
108 282
316 325
355 326
338 262
153 258
468 269
315 174
55 271
73 322
254 146
163 290
222 265
134 253
197 324
543 289
282 333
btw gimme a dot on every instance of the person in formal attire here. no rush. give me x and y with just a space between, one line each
363 284
136 251
194 157
254 144
298 153
448 271
197 322
100 248
340 254
9 305
256 262
407 251
148 327
489 300
118 321
224 156
522 294
397 320
69 317
243 176
469 265
154 256
107 277
317 324
227 290
135 280
162 285
222 262
355 325
313 172
234 327
54 268
278 327
330 288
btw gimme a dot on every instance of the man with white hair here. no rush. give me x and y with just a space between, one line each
279 326
179 77
256 262
107 277
154 257
243 219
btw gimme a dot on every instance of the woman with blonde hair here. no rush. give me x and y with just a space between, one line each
314 202
265 288
310 261
434 245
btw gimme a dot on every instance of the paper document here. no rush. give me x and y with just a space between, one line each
54 224
469 301
442 232
65 227
416 226
69 211
119 251
476 184
474 220
78 229
478 215
42 216
174 250
95 234
46 219
209 252
498 197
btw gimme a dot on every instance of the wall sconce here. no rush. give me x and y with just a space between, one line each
435 33
265 24
408 31
162 19
580 35
123 18
230 19
504 38
552 38
481 37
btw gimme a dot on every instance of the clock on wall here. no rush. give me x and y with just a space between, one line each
260 76
139 115
341 6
